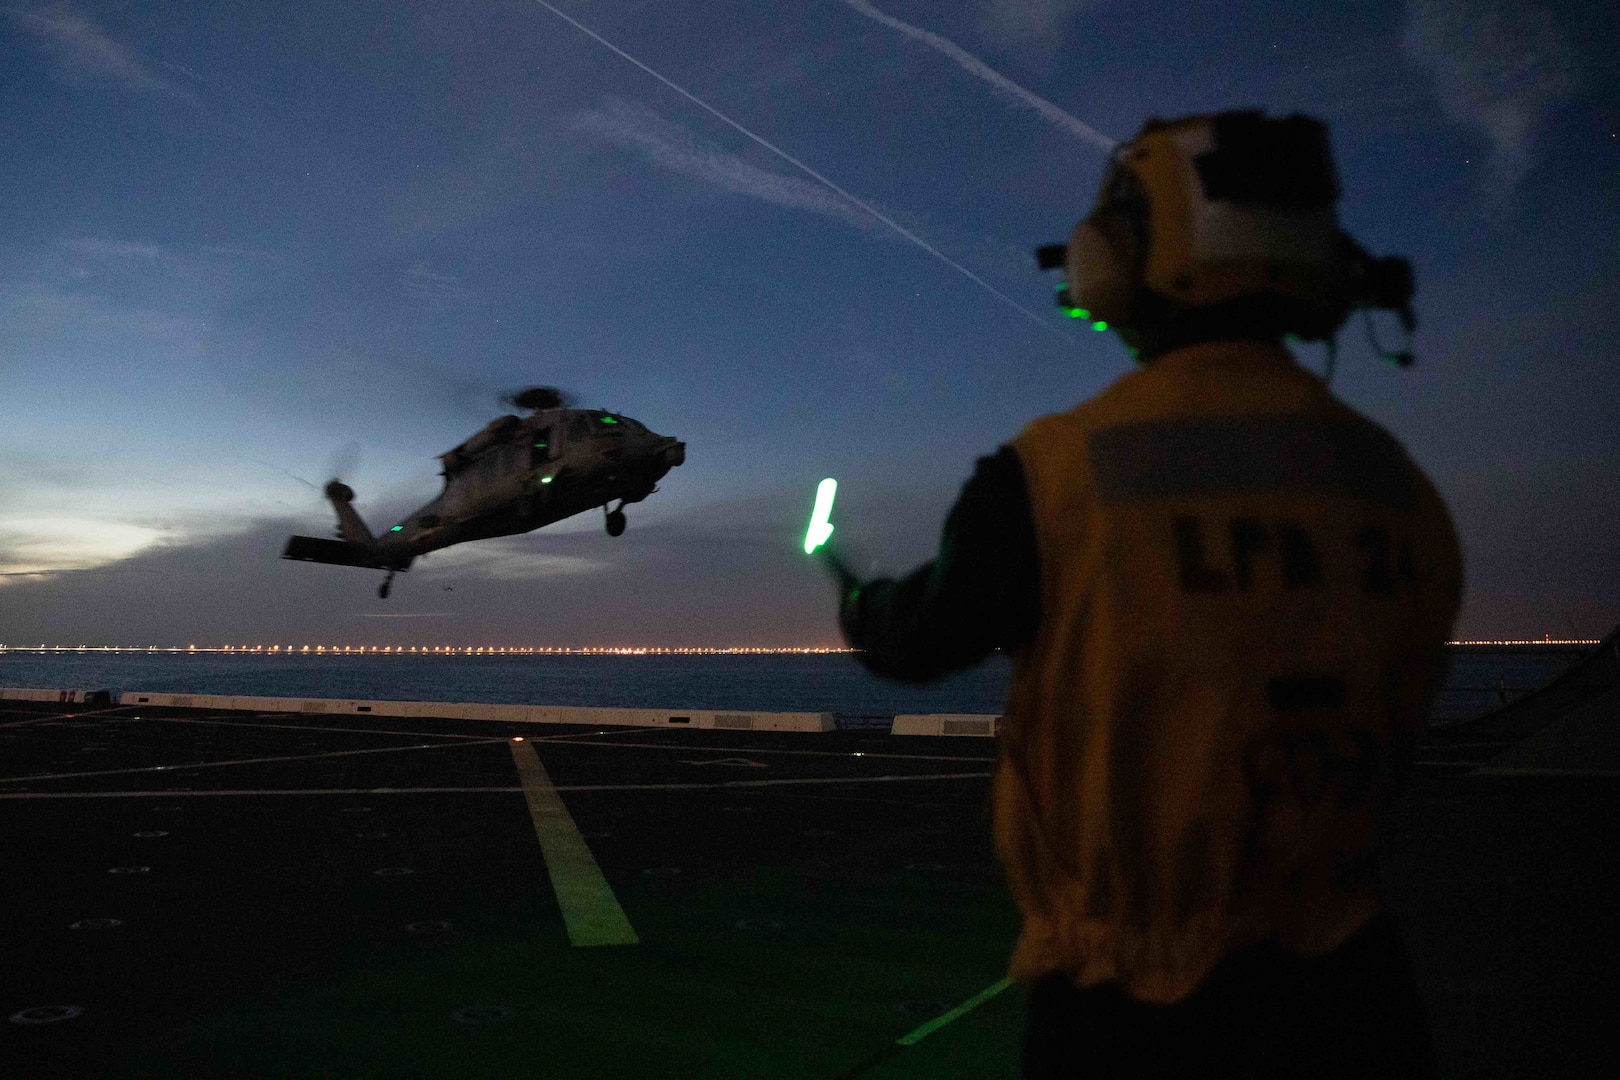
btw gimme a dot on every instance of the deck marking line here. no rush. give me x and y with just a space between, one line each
589 908
690 747
180 793
723 785
237 761
314 727
618 730
1531 770
776 783
64 716
912 1038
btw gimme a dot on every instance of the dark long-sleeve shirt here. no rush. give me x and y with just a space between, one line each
981 593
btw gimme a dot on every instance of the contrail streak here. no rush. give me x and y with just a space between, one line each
976 67
808 171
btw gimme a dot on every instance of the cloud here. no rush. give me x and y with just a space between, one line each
675 148
434 292
1498 65
507 558
1029 25
41 545
1004 87
117 251
85 53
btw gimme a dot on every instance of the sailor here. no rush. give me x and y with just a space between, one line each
1226 596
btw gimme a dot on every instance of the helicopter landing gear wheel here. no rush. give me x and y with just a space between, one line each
616 522
388 583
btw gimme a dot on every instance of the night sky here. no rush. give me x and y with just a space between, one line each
243 242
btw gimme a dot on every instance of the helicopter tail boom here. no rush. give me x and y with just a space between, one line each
341 553
350 526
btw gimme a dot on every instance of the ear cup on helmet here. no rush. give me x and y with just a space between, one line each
1101 267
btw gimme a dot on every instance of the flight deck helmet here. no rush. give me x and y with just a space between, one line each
1217 226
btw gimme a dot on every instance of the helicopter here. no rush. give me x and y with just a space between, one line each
514 476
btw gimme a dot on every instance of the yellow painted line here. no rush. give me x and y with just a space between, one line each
912 1038
589 908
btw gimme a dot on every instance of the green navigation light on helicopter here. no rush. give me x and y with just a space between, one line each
820 519
1099 325
397 528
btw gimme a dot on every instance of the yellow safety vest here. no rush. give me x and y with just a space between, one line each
1245 593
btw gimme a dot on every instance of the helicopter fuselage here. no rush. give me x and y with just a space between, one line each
516 475
520 474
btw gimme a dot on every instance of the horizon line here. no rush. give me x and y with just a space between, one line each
574 650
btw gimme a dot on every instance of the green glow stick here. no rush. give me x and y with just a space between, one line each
820 525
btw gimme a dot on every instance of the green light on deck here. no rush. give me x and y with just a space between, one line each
545 479
1099 325
609 420
820 519
397 528
1077 313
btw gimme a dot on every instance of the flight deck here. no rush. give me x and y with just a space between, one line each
198 891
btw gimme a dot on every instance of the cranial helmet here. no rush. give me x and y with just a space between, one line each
1221 225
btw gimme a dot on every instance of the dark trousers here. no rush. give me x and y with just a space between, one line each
1263 1012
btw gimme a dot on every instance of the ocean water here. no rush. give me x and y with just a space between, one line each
835 683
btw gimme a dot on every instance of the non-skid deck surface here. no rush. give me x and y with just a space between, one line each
204 894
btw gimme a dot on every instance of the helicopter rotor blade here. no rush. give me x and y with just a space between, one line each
344 462
538 397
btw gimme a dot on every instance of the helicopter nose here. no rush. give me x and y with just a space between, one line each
675 454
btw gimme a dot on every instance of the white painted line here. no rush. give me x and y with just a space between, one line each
314 727
690 747
776 783
1511 770
575 736
589 908
64 716
186 792
237 761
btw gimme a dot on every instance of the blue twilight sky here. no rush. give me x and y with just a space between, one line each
242 242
